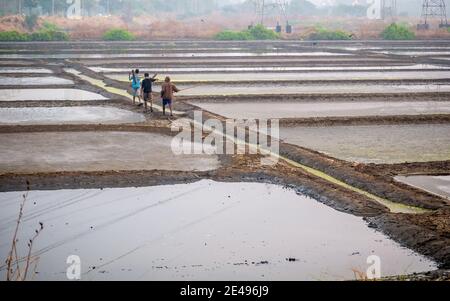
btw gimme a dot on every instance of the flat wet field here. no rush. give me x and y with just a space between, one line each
48 95
68 115
416 67
94 151
23 70
375 144
168 55
439 185
300 76
309 89
34 81
275 234
286 109
109 188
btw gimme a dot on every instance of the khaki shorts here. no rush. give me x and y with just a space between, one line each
148 96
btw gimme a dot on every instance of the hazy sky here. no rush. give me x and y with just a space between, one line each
412 7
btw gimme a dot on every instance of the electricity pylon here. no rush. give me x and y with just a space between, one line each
433 9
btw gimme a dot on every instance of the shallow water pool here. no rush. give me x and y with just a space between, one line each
48 95
95 151
34 81
375 143
68 115
439 185
284 109
201 231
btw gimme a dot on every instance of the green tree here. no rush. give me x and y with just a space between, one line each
398 32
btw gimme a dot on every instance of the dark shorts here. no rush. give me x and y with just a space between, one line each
167 102
147 96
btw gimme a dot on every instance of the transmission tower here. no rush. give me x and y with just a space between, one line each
433 9
262 7
388 9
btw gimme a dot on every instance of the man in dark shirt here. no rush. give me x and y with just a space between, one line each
146 90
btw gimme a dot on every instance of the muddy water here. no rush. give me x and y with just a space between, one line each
416 53
24 70
168 55
439 185
48 94
271 69
68 115
314 76
34 81
94 151
375 144
291 88
242 61
201 231
274 109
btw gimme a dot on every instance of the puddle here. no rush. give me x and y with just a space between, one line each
34 81
168 55
307 89
201 231
415 53
375 144
68 115
394 48
24 70
439 185
322 76
94 151
48 95
244 69
275 109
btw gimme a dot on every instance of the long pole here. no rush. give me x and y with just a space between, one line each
53 7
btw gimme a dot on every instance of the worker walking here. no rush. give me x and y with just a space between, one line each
167 91
146 90
133 76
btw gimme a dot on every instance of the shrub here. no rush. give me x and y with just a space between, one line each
50 26
326 34
49 35
398 32
118 35
229 35
31 21
258 32
13 36
40 35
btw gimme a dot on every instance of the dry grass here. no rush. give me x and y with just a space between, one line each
18 267
9 23
167 26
